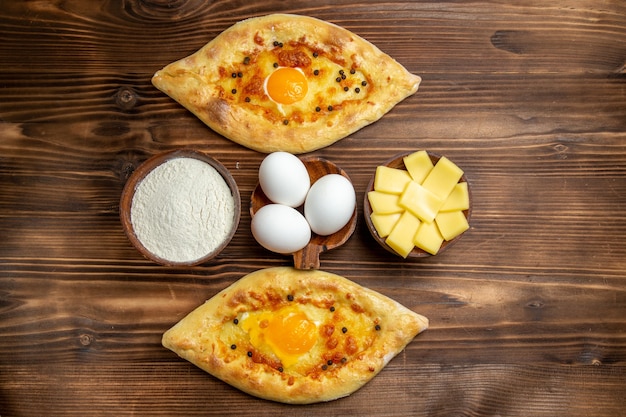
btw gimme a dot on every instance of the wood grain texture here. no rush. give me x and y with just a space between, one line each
527 311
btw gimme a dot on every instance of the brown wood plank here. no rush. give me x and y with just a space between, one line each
510 390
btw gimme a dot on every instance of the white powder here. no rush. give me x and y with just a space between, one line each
182 210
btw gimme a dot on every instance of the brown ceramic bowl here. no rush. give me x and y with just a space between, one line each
309 256
398 162
142 171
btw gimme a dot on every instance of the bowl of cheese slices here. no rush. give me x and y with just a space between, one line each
417 204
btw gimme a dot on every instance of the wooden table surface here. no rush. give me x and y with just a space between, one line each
527 310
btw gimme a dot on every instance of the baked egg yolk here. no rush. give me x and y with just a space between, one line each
286 85
287 332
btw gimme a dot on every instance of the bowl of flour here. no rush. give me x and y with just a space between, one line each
180 208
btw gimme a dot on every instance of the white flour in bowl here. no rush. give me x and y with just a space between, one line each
182 210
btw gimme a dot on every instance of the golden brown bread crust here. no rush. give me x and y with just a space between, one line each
206 336
198 82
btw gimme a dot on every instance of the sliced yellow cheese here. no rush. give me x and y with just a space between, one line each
390 180
451 224
401 237
384 203
442 178
428 238
419 165
421 206
458 198
384 222
420 201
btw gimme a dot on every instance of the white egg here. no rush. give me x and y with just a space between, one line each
280 228
284 179
330 204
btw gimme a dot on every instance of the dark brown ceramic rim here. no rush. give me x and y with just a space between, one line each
140 173
398 162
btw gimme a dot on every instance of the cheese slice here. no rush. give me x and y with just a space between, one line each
420 201
443 177
418 165
401 237
458 198
428 238
384 223
451 224
390 180
384 203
